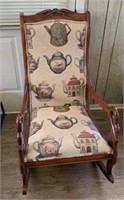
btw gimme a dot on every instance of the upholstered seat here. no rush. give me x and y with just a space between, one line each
56 134
55 124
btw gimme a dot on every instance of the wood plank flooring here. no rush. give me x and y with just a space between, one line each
78 181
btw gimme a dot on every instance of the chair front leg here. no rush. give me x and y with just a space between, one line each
25 175
107 169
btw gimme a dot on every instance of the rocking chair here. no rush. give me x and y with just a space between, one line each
55 126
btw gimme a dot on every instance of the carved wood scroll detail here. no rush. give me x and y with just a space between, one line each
55 13
115 119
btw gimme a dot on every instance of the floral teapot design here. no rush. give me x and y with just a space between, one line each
64 122
48 146
58 62
43 91
58 33
72 88
33 64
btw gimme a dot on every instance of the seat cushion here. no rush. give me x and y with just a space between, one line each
61 132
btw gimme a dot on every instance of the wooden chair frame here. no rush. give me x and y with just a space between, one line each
23 118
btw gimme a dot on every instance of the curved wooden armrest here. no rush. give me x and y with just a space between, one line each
112 114
98 100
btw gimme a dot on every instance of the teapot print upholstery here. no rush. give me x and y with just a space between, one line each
48 146
72 88
81 35
57 73
43 91
58 62
35 127
64 122
33 64
80 63
30 32
86 142
58 33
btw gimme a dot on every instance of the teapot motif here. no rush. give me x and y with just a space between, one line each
64 122
48 146
80 63
86 142
58 62
58 33
33 64
34 113
72 88
43 91
30 34
63 108
81 38
89 124
35 127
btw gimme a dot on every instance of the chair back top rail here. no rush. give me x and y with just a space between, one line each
55 14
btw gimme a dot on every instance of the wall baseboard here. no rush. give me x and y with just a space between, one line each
96 107
92 107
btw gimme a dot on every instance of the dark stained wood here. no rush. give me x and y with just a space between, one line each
23 133
77 181
68 160
54 14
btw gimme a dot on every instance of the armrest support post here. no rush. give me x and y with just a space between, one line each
22 126
21 143
115 129
113 117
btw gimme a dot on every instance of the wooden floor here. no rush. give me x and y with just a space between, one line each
78 181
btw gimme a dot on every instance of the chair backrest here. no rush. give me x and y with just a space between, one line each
55 47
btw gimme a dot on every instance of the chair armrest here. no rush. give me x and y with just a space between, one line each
23 120
97 99
113 116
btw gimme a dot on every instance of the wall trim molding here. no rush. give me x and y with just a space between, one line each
92 107
96 107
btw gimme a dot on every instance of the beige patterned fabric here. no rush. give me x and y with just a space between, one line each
56 61
60 126
62 132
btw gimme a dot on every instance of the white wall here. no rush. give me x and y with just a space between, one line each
11 69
